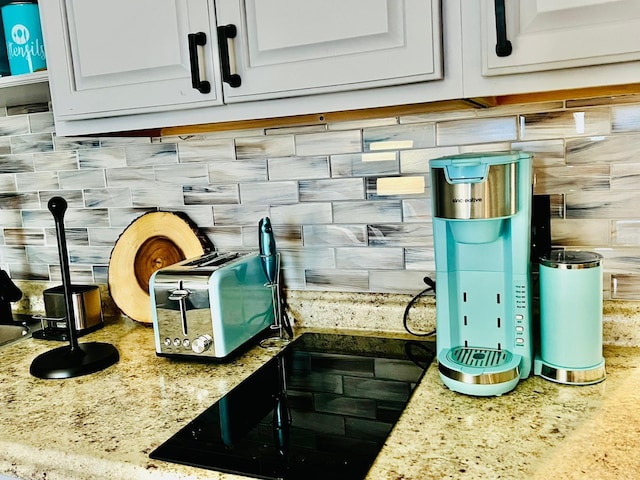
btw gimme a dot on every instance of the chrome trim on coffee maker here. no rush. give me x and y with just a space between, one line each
482 378
493 196
574 377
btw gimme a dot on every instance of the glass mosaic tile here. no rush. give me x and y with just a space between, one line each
18 125
206 150
401 235
134 177
310 144
41 122
182 174
33 143
30 272
152 154
302 214
625 118
581 232
308 257
396 281
264 146
239 214
79 274
337 280
294 168
483 130
337 235
269 193
19 201
122 217
7 182
364 164
367 212
103 236
331 189
211 194
55 161
339 218
571 178
237 171
74 198
602 149
23 236
369 258
110 157
399 137
421 259
74 236
73 179
559 124
16 163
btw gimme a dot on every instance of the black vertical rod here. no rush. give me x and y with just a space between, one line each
225 32
503 45
194 40
58 206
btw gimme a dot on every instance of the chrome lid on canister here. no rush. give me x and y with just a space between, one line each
571 259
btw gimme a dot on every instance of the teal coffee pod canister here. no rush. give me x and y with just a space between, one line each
571 318
23 37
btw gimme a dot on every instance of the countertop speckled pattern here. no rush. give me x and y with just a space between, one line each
103 425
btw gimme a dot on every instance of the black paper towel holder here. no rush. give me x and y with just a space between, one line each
75 359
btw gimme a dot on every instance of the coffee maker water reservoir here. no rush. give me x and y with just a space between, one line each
481 229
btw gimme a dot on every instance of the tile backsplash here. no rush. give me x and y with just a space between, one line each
349 201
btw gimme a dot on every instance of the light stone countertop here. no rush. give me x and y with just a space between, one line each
103 425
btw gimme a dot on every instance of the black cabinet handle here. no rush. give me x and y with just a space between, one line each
225 32
503 45
195 40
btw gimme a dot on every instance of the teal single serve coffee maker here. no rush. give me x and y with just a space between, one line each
482 234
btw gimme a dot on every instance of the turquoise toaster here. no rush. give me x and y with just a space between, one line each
211 306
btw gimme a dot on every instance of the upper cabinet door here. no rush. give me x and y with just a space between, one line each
285 48
556 34
130 56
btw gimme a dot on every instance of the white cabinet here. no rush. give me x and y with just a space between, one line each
131 59
554 44
284 48
127 64
125 56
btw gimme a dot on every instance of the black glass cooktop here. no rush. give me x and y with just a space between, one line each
322 408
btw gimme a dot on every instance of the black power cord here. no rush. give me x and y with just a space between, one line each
284 318
419 353
405 318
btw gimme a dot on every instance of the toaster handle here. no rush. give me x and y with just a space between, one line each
180 295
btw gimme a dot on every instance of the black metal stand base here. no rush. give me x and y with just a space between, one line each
63 362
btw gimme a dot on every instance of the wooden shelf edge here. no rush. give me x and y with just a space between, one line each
401 110
322 118
556 95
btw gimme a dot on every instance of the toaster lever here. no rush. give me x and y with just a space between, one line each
180 295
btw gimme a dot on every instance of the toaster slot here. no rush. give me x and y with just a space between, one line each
220 260
213 259
201 260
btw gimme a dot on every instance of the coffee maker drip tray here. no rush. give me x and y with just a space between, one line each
479 371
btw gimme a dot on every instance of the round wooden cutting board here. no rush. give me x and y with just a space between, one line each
151 242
